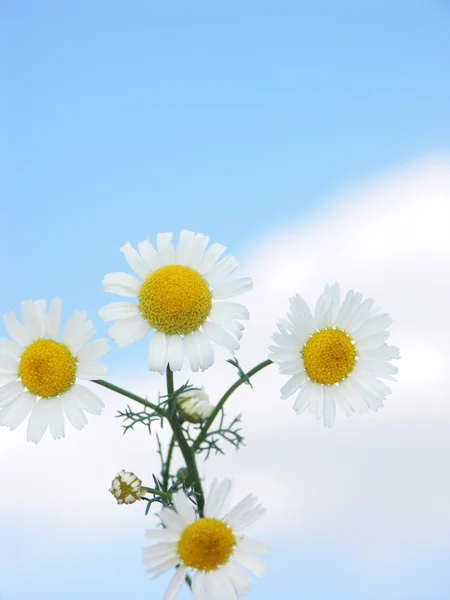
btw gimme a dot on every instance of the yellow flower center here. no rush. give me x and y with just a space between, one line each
329 356
175 300
206 544
47 368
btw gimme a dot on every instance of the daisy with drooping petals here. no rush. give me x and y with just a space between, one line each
210 546
40 373
194 405
336 356
180 297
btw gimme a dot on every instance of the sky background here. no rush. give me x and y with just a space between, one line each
314 142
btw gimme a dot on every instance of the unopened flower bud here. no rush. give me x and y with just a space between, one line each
126 488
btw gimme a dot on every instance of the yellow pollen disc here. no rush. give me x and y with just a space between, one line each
175 300
329 356
47 368
206 544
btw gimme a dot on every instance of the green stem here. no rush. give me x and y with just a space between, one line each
186 451
166 473
156 492
204 431
119 390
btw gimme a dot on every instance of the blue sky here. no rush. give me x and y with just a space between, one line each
234 119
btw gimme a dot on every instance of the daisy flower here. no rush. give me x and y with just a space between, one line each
336 356
194 405
209 546
41 374
180 297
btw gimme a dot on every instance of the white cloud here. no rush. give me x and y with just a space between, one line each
377 485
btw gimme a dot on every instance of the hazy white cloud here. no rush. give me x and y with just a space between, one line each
376 485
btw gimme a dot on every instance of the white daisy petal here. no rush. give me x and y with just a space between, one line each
221 270
293 384
175 584
322 306
197 251
356 402
38 421
218 585
41 307
227 323
184 506
10 392
16 330
253 564
384 353
158 554
121 284
242 582
301 400
9 368
333 310
348 309
372 343
379 368
204 350
15 413
329 408
10 348
93 350
371 381
316 401
158 352
77 331
135 261
86 399
230 289
90 370
161 535
55 418
54 318
149 254
184 243
342 402
250 545
198 587
118 310
371 327
281 354
166 250
72 411
360 316
210 258
233 310
301 310
191 351
175 352
218 334
128 331
245 507
373 400
162 566
250 518
291 367
172 520
214 506
31 319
